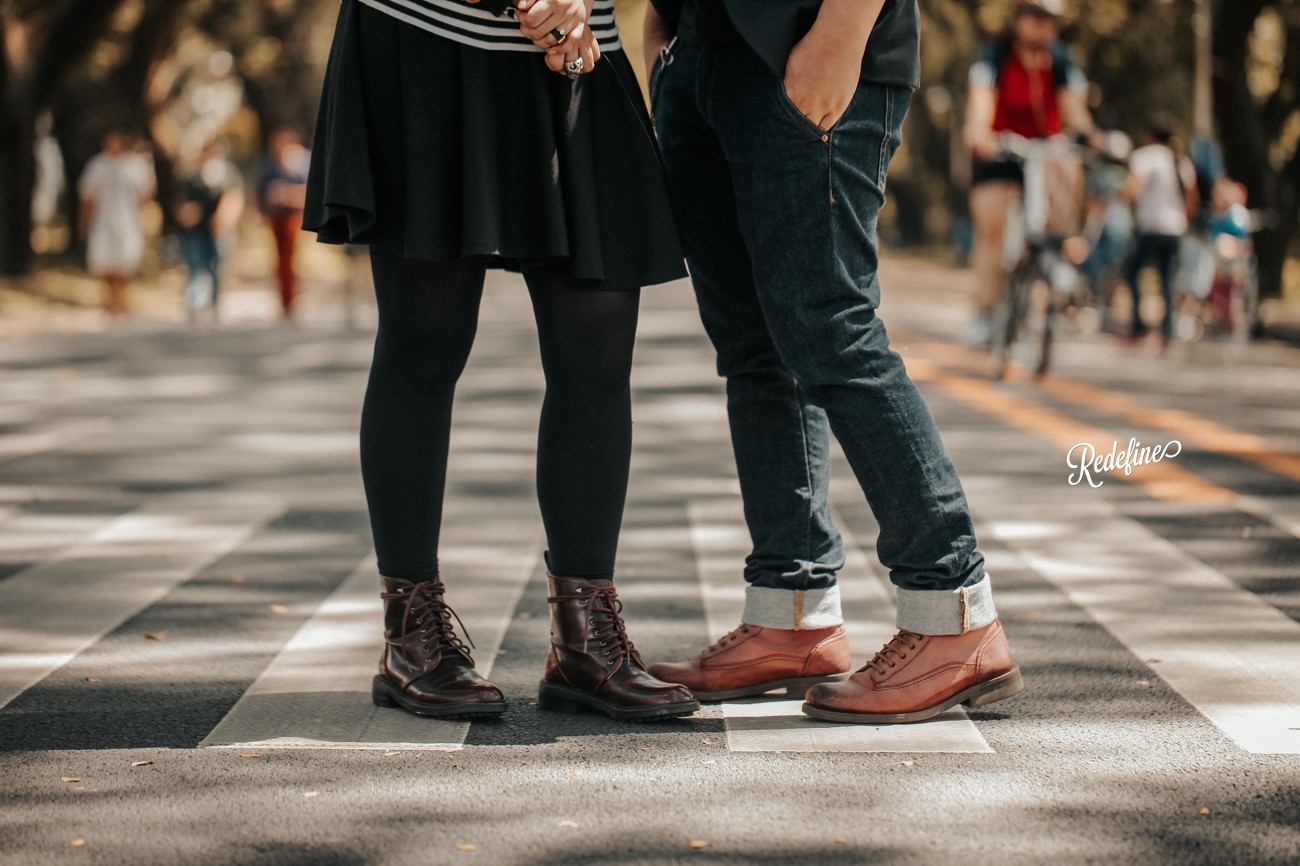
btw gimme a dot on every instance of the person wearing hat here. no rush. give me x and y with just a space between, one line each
778 122
1028 84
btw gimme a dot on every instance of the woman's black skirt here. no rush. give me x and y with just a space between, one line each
453 152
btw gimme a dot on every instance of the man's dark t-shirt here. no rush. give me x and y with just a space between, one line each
772 27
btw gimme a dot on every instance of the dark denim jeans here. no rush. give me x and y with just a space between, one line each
1160 252
779 223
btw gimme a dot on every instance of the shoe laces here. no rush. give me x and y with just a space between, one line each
730 637
605 618
893 652
432 616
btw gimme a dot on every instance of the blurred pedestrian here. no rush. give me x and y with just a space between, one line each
209 205
113 188
1162 186
282 194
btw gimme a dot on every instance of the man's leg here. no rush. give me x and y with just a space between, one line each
808 202
791 634
1141 255
1168 262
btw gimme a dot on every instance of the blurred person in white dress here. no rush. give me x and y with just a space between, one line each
113 189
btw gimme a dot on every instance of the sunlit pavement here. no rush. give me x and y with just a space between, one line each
188 614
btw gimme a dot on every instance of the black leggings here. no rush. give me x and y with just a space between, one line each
428 315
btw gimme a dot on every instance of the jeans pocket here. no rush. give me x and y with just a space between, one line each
795 114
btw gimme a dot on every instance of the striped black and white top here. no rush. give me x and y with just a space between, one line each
460 22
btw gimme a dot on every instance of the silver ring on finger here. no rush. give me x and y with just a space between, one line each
574 67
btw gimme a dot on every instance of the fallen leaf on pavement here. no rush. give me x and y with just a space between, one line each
697 844
141 763
248 755
466 846
567 823
156 635
1205 811
389 754
277 608
77 842
840 840
92 679
70 778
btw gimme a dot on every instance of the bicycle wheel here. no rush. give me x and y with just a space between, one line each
1009 319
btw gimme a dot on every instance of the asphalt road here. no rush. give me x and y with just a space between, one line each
187 615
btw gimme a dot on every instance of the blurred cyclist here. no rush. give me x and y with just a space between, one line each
1026 84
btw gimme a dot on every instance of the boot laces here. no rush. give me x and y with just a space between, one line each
730 637
604 613
893 652
433 617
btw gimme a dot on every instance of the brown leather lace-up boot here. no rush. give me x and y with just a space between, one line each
592 662
916 677
751 660
426 669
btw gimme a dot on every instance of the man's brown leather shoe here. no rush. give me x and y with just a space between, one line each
752 660
916 677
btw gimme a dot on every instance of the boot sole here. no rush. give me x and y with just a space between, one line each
795 688
999 688
551 696
385 694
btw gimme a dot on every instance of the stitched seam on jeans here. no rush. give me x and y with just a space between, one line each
807 469
882 170
921 463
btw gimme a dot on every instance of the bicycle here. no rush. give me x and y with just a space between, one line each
1042 279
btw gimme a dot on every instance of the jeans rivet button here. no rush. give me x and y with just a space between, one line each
825 137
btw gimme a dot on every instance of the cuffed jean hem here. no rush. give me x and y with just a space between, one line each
792 608
947 612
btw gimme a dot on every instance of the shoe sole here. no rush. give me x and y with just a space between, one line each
558 698
1000 688
795 688
385 694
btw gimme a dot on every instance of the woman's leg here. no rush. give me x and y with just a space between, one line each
991 205
585 440
428 315
584 449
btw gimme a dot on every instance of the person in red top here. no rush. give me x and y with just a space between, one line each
1028 84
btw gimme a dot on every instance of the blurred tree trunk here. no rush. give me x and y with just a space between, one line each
40 44
1249 128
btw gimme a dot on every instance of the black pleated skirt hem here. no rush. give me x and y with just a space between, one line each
452 152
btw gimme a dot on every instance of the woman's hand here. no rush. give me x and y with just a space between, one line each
538 19
581 45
